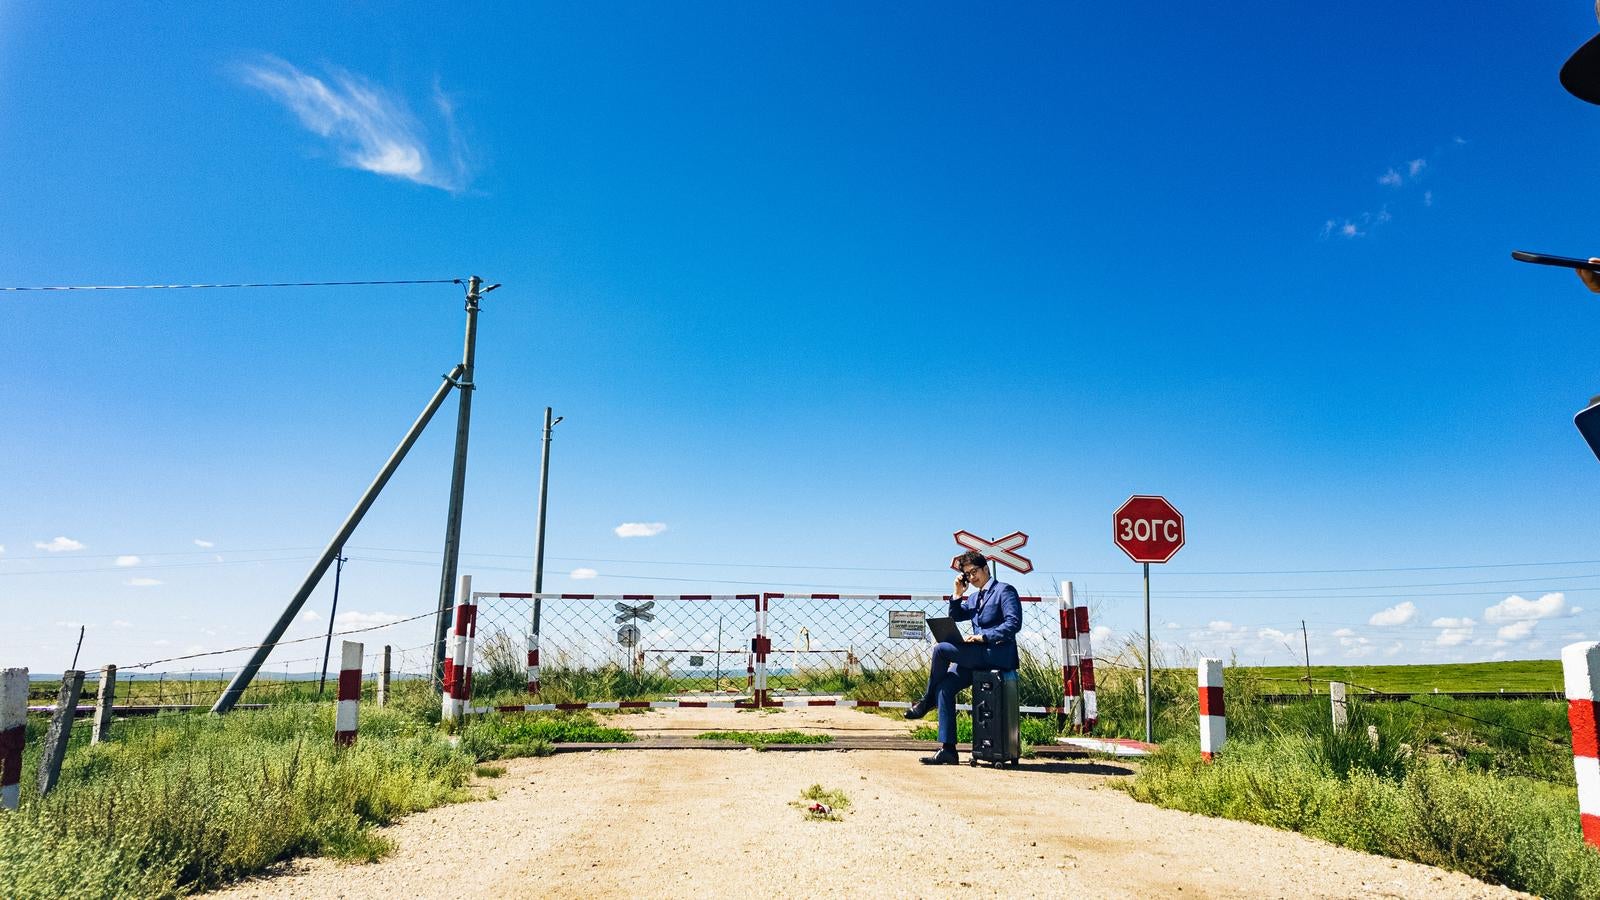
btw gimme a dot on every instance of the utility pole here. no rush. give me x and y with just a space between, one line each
1305 640
544 495
328 646
458 478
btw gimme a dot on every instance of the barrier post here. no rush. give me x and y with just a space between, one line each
383 679
533 662
1580 668
55 741
349 708
760 645
13 734
1341 708
455 662
1069 659
104 698
1213 716
1091 709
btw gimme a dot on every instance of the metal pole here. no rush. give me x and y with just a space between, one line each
79 648
1306 642
327 647
458 481
230 695
538 538
1149 695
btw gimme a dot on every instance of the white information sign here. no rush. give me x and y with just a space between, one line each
908 625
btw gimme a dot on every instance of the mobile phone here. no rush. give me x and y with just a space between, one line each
1544 259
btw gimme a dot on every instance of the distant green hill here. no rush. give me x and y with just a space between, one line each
1514 675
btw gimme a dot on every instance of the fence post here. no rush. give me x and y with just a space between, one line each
533 662
1580 668
760 646
104 699
347 715
1213 716
13 734
383 679
55 741
1341 709
455 662
1069 659
1091 709
465 682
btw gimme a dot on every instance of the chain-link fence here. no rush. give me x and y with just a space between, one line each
613 646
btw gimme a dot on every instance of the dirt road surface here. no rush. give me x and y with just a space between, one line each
722 823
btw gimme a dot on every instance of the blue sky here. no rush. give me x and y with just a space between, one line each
814 287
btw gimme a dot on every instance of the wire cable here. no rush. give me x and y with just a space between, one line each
254 284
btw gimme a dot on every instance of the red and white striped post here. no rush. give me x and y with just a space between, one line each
750 672
1580 666
1070 692
1213 716
13 734
1091 709
346 717
760 646
454 692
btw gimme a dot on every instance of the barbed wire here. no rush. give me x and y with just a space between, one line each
315 637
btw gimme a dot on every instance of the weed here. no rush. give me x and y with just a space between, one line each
762 739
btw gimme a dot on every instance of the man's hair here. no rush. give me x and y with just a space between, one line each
972 559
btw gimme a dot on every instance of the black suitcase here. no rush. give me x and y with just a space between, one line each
996 719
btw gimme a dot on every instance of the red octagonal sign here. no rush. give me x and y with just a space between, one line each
1148 529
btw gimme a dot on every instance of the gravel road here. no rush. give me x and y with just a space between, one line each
719 823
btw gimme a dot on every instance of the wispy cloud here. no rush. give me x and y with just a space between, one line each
369 127
130 560
205 545
354 619
1399 614
1399 177
59 545
640 529
583 574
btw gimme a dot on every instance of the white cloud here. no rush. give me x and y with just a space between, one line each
58 545
1219 626
1427 198
1394 648
130 560
1344 633
307 616
583 574
1516 631
141 582
1453 631
1390 178
2 548
1399 614
1272 634
1100 635
1452 622
1516 609
205 545
640 529
1416 166
354 619
370 129
1172 625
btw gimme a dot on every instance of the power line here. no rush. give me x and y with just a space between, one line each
256 284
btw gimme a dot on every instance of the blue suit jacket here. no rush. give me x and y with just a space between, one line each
996 613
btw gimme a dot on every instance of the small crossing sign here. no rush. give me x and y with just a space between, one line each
628 635
628 612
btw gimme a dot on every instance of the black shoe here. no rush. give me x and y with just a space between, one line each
919 709
942 758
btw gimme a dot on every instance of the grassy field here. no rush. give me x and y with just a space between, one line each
1515 675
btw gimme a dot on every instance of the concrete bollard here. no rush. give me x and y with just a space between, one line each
533 662
1213 716
346 718
1071 689
1341 708
456 667
1580 668
105 697
1091 709
13 734
55 741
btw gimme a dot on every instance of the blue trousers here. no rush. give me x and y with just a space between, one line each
944 685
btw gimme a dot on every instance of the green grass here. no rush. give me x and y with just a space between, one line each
760 739
829 797
1034 730
503 736
176 803
1515 675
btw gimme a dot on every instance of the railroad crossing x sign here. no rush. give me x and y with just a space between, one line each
1001 550
627 613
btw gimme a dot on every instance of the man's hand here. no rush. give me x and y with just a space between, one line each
974 639
1591 280
960 588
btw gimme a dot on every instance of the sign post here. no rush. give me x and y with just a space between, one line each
1149 530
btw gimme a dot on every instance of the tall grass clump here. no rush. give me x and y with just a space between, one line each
182 803
1450 798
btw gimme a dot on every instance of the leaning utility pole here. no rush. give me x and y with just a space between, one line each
458 481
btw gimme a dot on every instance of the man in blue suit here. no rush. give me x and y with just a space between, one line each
996 616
